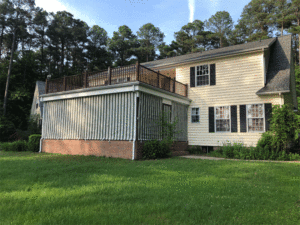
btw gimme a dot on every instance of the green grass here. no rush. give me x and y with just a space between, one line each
40 188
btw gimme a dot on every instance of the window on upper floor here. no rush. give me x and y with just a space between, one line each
195 117
222 117
255 117
202 75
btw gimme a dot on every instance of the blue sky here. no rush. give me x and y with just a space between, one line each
168 15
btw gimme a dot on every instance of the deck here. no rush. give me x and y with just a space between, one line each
113 76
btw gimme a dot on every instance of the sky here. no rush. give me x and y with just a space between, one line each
168 15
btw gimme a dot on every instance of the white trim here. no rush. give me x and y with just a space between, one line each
195 115
264 129
84 93
163 95
208 66
216 119
134 129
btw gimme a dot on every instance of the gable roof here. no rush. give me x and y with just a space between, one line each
235 49
278 75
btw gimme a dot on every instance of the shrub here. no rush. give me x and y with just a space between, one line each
266 139
157 149
34 142
284 124
19 146
7 128
195 150
283 156
228 150
294 156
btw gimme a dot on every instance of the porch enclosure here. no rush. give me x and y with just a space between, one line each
110 117
120 75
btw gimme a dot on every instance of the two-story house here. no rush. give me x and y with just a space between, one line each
221 95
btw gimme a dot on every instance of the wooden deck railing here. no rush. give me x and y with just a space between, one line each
111 76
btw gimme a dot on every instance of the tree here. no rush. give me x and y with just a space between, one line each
98 56
40 26
122 45
221 25
150 38
60 34
282 15
295 28
17 23
257 19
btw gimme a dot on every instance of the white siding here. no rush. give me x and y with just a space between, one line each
237 80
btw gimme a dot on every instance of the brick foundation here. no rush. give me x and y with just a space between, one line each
116 149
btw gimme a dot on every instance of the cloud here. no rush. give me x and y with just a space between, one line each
192 9
51 6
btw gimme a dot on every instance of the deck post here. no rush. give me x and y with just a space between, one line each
174 85
46 88
65 83
109 75
137 71
186 90
85 79
158 78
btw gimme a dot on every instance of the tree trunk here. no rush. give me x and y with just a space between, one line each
62 58
1 40
9 72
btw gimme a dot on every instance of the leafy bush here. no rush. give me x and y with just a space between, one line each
7 128
266 140
19 146
34 142
294 157
195 150
157 149
285 126
228 150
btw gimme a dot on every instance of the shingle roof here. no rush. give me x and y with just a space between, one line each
211 53
278 74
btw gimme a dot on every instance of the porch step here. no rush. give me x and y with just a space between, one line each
180 153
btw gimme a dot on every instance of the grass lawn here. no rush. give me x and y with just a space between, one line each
41 188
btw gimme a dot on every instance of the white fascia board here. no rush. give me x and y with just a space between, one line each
87 93
163 95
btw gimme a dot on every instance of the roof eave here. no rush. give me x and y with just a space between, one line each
273 92
170 65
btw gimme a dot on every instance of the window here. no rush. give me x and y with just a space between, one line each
222 115
255 117
202 75
195 115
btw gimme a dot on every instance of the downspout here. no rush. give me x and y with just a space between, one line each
135 122
41 140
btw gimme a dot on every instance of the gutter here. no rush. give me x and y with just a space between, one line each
273 92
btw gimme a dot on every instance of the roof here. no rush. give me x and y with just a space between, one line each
41 85
235 49
278 74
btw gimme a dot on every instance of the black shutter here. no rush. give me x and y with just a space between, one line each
243 123
268 114
212 74
233 118
192 77
211 116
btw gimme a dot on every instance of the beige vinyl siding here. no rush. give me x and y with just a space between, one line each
237 80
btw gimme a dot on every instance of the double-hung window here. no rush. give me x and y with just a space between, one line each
202 75
222 117
255 117
195 115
